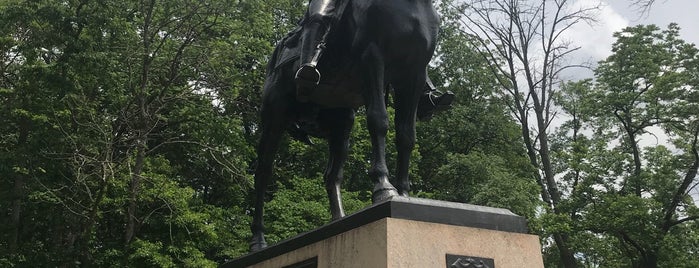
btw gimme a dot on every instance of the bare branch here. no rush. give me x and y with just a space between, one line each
522 39
643 6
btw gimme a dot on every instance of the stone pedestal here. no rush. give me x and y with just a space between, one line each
409 232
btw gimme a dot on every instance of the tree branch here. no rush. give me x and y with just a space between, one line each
625 237
682 190
677 222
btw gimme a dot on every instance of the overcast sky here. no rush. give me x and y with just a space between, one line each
662 13
596 40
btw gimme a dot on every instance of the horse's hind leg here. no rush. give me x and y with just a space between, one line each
408 89
272 125
377 122
339 122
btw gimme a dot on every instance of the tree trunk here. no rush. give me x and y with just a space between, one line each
561 239
134 189
89 224
649 260
18 192
549 193
531 153
636 177
635 180
142 123
567 257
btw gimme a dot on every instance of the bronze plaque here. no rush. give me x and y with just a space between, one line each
456 261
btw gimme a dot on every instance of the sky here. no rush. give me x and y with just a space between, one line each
596 40
662 13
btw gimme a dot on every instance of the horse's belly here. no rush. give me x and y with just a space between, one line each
340 86
337 95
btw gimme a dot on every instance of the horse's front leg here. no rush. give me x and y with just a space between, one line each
273 121
377 122
339 123
408 88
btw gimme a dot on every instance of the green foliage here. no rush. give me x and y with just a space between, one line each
119 112
628 201
484 179
302 205
127 135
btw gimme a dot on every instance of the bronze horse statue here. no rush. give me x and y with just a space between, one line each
376 43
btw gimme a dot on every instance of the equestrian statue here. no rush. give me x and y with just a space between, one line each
346 54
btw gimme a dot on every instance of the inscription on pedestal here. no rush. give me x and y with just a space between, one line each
310 263
456 261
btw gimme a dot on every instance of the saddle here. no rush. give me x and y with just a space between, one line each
290 48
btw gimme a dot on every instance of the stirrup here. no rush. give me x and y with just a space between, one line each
307 76
307 79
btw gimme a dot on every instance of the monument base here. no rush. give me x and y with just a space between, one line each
409 232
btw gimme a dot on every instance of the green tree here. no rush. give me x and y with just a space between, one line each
646 83
122 137
632 200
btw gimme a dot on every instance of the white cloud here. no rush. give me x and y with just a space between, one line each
595 39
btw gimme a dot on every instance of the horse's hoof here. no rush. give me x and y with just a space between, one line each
383 194
257 245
